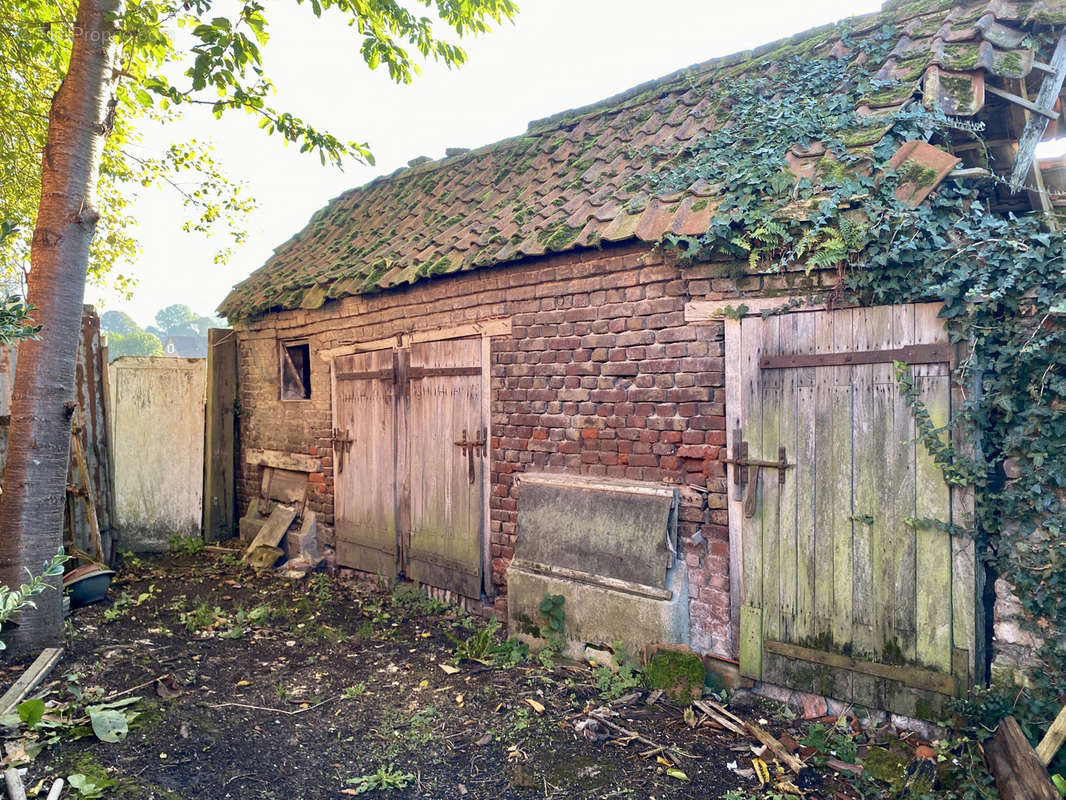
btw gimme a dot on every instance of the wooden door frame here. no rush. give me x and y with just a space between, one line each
486 330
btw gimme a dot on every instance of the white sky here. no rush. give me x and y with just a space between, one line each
559 54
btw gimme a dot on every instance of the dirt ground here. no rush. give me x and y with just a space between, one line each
256 687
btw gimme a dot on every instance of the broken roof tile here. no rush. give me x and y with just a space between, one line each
692 217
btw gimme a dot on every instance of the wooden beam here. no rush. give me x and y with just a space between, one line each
1038 196
1021 101
497 326
360 347
1053 739
500 326
775 747
1035 127
915 677
274 530
34 674
78 454
613 584
970 173
1018 772
297 462
711 311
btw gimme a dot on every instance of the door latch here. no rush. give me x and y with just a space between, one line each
342 443
471 448
746 471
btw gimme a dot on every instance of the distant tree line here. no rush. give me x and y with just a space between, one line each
126 338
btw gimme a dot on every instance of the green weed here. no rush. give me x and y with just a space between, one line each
409 597
186 545
385 778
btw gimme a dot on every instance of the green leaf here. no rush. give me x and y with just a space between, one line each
85 786
31 711
108 725
1060 783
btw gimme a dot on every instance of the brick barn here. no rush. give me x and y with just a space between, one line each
500 377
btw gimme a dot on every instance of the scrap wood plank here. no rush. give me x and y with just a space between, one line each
27 682
775 747
78 454
264 557
1053 739
721 720
274 529
1018 772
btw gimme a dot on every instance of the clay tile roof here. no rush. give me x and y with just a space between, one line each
582 177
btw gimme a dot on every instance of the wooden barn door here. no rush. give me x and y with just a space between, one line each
364 453
410 451
446 462
843 593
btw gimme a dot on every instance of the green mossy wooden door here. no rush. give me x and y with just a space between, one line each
410 454
844 592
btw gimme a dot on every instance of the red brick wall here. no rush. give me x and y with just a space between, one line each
600 376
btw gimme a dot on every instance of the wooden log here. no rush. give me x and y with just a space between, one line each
1018 772
34 674
1053 739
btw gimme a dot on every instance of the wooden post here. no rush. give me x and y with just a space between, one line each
1018 772
220 435
1053 739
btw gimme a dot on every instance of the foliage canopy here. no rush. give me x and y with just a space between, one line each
175 55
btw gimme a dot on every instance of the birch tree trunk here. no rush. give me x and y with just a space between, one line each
43 395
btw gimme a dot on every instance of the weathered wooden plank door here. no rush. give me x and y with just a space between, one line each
364 430
446 459
220 437
410 453
843 592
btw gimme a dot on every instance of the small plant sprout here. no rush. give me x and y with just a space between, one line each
14 600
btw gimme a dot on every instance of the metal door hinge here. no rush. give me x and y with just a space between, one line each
342 443
473 447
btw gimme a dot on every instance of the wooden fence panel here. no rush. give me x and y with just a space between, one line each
220 428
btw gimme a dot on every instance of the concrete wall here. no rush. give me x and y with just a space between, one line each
158 445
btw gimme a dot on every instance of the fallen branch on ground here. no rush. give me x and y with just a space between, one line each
637 737
277 710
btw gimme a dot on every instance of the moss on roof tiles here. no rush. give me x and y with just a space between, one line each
536 192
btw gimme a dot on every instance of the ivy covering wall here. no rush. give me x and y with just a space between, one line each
1002 280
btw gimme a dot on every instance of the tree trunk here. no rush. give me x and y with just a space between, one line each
42 400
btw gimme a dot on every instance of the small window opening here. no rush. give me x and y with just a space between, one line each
295 372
